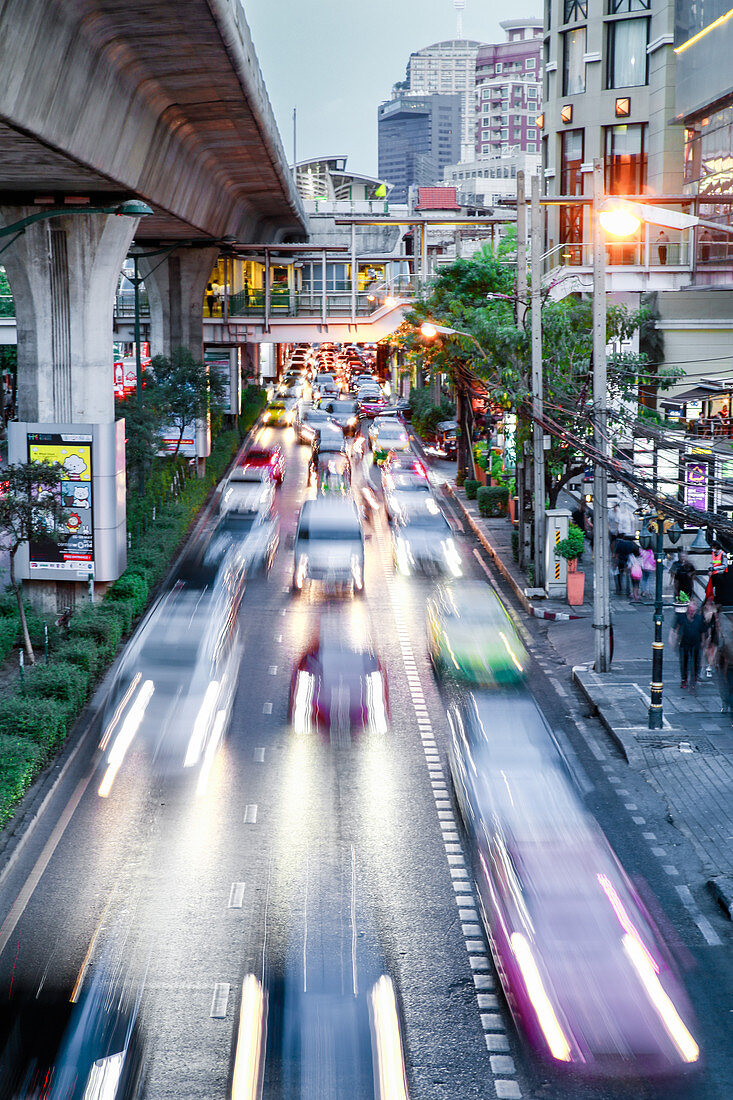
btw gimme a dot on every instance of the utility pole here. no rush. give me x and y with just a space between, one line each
601 594
538 432
519 306
295 136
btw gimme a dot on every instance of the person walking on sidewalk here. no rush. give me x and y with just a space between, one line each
688 634
719 652
635 573
648 568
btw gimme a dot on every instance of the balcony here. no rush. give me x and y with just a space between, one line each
642 264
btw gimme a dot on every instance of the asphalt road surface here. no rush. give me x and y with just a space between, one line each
296 840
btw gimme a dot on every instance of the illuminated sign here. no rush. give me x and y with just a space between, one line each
74 551
696 485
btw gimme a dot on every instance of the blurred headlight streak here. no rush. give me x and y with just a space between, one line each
118 713
403 555
510 651
625 920
104 1078
452 557
201 725
548 1021
392 1083
211 751
248 1057
668 1014
124 738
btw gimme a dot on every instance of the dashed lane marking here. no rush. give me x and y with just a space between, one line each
250 814
219 1001
267 709
709 934
259 756
236 895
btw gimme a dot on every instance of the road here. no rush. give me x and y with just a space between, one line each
296 839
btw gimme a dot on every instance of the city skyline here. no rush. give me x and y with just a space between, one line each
311 70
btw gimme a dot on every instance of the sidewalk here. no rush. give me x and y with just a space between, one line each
689 761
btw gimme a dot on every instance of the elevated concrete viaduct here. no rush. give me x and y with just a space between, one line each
103 101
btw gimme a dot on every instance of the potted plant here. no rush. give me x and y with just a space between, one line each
571 548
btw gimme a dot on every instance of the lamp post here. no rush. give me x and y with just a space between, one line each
132 208
430 331
659 526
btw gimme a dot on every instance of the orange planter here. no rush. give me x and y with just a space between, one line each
576 588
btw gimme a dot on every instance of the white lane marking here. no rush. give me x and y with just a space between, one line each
558 686
236 895
507 1090
639 820
273 670
219 1001
709 934
259 756
267 709
279 637
660 853
487 1000
630 806
483 982
250 814
669 869
491 1021
649 836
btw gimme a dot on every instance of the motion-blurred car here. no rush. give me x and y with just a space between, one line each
422 538
338 687
588 978
471 638
309 422
247 489
268 460
254 535
332 473
344 413
387 436
275 414
402 479
370 401
329 545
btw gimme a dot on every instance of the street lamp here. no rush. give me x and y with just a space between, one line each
131 208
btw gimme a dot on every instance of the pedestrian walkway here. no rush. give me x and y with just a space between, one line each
689 761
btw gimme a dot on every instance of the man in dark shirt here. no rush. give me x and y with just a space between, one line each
689 629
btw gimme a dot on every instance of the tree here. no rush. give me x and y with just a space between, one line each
187 390
144 422
478 297
30 511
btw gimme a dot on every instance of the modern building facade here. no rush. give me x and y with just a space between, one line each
417 137
509 91
329 179
447 68
491 179
609 78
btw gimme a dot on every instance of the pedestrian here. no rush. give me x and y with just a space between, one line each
210 298
688 632
216 291
624 547
662 242
683 574
635 573
613 520
720 656
705 240
648 569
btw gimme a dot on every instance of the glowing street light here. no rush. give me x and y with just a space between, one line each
619 222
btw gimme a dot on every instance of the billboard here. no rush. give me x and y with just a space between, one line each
74 552
696 485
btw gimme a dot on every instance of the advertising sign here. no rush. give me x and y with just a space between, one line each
696 485
126 375
225 361
74 552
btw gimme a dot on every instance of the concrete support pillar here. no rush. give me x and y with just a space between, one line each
63 273
176 286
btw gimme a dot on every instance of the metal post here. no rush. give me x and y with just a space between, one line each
268 299
21 670
601 594
45 642
138 356
520 306
353 274
656 713
424 254
538 453
324 299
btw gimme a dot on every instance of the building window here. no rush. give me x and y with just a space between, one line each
627 57
575 10
530 63
484 148
625 160
617 7
531 93
504 135
531 147
531 134
571 183
573 71
498 66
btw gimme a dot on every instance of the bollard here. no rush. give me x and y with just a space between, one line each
21 665
45 641
90 588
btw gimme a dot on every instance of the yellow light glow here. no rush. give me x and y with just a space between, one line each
248 1059
124 738
387 1041
211 750
706 30
669 1015
510 651
201 725
548 1021
429 331
390 303
619 223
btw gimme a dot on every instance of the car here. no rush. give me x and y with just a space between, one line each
342 412
332 473
422 539
338 687
309 421
472 640
329 440
253 535
387 435
370 402
589 980
275 414
329 545
269 460
397 480
247 489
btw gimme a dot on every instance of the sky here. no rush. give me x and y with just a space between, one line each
336 61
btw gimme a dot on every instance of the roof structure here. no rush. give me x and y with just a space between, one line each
437 198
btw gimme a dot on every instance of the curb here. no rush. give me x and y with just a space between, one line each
29 811
626 744
721 889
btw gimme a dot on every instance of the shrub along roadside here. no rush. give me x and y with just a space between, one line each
35 720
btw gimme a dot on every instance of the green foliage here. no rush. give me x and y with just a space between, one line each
21 760
83 652
129 588
9 633
99 624
492 500
471 488
185 389
43 721
460 478
67 683
426 415
572 546
515 545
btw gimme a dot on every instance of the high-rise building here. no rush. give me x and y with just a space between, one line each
509 91
417 137
448 68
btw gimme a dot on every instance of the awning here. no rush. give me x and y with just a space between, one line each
697 393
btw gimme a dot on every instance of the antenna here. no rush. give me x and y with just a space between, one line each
459 5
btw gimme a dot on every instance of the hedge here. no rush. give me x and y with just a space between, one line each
9 633
98 623
43 721
82 652
493 500
67 683
20 762
471 486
